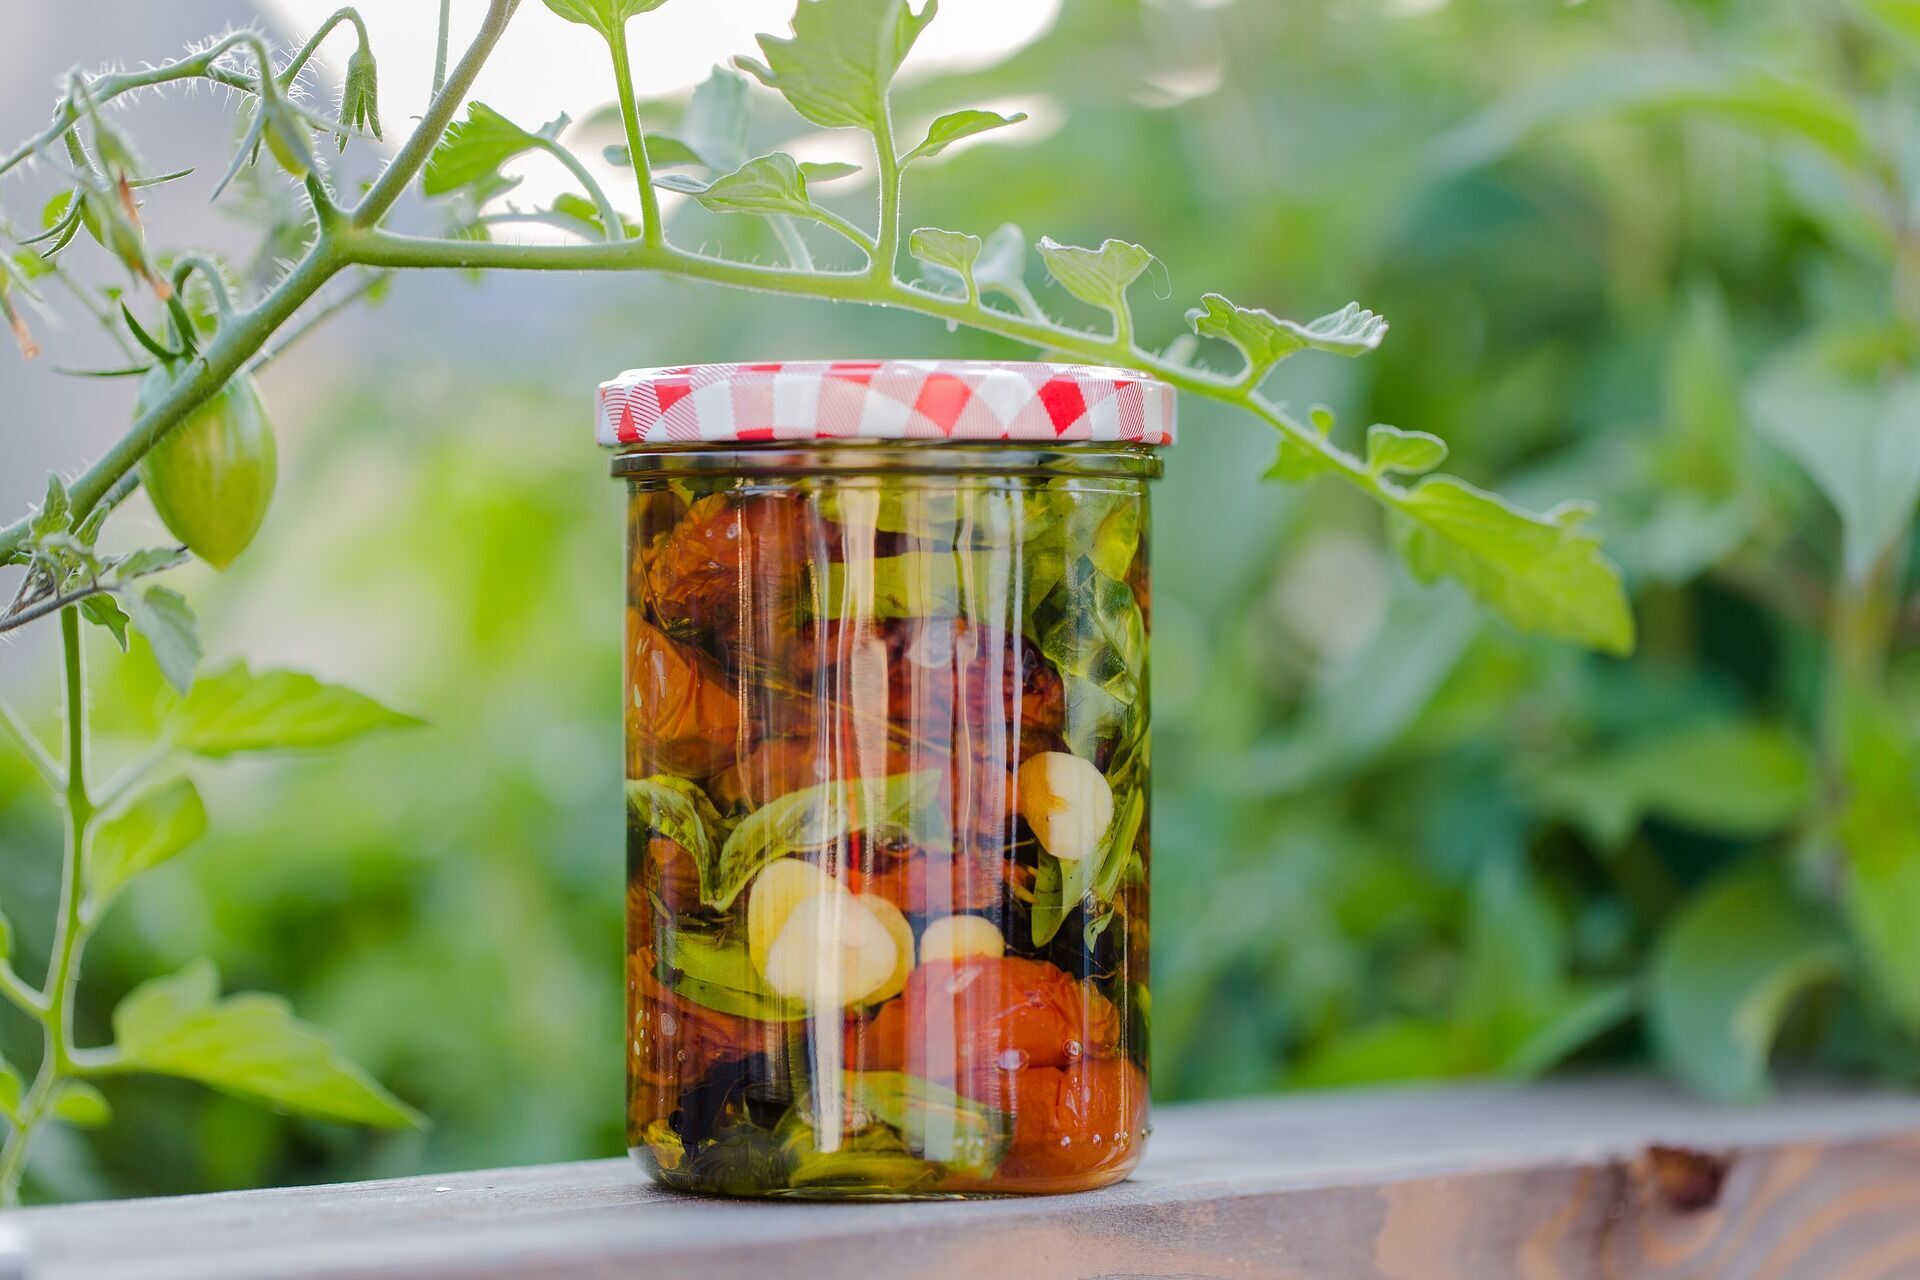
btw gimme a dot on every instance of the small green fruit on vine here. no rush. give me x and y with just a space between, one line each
211 477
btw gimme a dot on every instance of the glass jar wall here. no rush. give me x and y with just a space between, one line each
887 761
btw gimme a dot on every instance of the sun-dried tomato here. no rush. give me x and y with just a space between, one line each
682 717
956 1021
1070 1123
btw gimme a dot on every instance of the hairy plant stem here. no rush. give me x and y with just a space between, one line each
53 1008
652 230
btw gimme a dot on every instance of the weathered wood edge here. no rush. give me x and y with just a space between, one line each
1618 1179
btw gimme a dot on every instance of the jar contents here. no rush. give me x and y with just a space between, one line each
887 760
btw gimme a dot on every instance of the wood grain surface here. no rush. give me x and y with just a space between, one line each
1597 1180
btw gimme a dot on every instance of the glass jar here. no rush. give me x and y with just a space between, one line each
887 766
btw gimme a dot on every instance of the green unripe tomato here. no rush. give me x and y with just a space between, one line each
211 477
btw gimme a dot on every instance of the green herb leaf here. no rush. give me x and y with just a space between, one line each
770 185
1856 440
237 709
154 828
81 1105
1541 573
955 125
935 1122
813 817
474 149
1739 779
250 1045
1724 974
679 810
604 16
1097 276
1389 449
1663 86
1880 830
162 616
718 974
841 60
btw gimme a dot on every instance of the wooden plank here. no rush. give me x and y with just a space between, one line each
1598 1180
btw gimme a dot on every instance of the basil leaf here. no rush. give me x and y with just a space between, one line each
680 811
935 1122
1540 572
237 709
720 975
812 817
155 827
1090 629
955 125
250 1045
841 60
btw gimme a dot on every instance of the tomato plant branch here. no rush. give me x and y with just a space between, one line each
413 153
652 230
53 1008
38 756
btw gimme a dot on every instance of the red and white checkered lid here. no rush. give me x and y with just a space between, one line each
884 400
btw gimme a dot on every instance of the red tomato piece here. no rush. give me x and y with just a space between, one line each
960 1022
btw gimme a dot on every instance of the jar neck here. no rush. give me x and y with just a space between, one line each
896 457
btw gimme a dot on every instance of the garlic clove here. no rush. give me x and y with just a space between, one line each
961 937
776 891
902 933
832 952
1066 801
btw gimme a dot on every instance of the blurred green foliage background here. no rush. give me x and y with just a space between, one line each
1663 254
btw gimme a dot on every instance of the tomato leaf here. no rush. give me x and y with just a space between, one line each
769 185
837 67
473 149
250 1045
162 616
1097 276
954 126
237 709
154 828
1389 449
604 16
1264 339
81 1105
1542 573
953 252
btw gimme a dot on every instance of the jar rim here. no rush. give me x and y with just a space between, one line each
890 458
975 401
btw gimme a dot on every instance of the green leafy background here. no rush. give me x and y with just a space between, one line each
1627 255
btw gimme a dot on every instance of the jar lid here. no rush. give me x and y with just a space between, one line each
884 400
